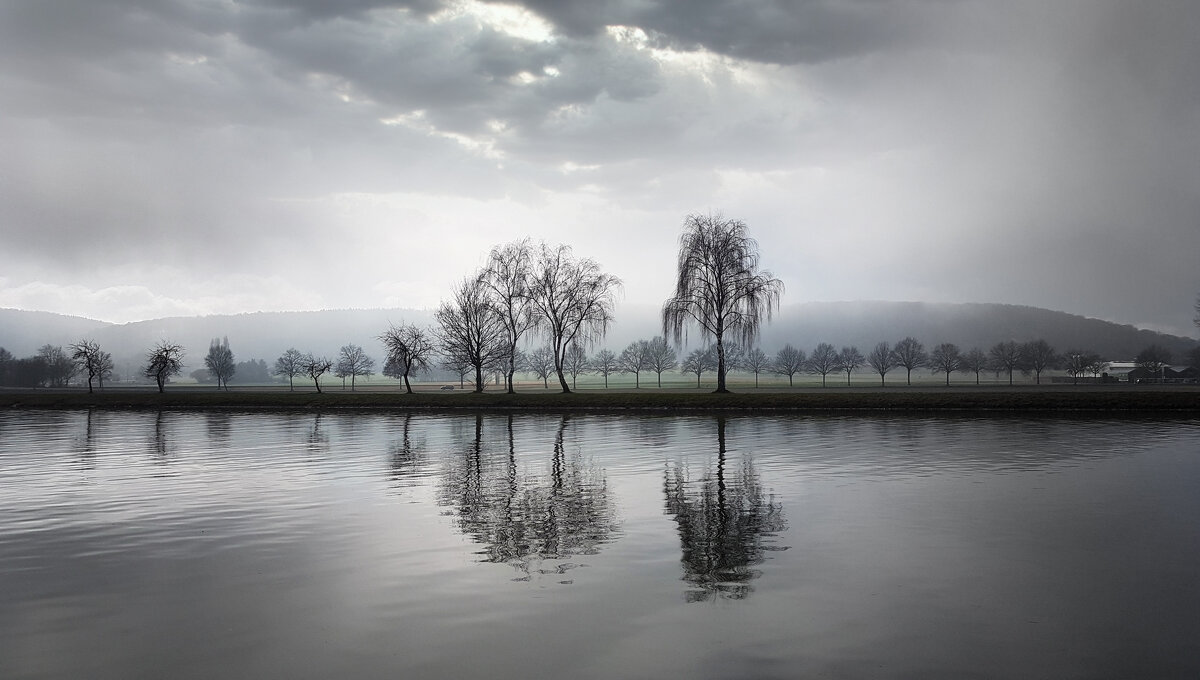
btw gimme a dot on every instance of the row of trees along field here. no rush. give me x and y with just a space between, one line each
412 351
526 291
657 356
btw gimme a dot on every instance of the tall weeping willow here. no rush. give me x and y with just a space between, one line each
719 287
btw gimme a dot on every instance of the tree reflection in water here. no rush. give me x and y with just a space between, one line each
406 456
159 445
317 439
726 524
524 519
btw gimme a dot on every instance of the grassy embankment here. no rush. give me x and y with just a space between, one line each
1102 399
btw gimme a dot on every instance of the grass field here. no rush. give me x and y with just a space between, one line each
1178 399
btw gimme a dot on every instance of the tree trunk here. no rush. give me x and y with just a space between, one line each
317 382
479 378
291 383
558 368
407 385
720 362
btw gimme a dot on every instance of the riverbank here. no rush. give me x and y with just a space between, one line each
1184 399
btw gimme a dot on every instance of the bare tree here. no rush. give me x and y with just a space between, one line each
1006 356
661 357
1078 363
882 359
353 362
457 364
910 354
849 360
315 367
104 366
735 356
576 362
219 362
58 366
409 349
634 359
288 364
507 277
1037 356
698 361
539 362
756 362
974 361
162 362
719 286
573 300
945 358
1154 359
605 363
92 361
472 329
824 360
789 361
1098 366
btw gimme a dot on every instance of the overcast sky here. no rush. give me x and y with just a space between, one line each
178 157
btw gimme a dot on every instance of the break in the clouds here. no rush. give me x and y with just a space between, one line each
207 156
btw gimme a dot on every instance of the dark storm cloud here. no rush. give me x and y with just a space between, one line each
318 10
778 31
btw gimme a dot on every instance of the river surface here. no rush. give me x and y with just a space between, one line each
223 545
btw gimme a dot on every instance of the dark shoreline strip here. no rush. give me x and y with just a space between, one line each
1179 400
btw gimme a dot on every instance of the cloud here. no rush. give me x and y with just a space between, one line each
945 150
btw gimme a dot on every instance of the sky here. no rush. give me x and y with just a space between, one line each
183 157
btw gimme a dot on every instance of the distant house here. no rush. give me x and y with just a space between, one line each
1171 375
1181 374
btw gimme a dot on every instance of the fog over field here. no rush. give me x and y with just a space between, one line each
192 157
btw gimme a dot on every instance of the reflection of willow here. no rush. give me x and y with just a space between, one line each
520 518
723 520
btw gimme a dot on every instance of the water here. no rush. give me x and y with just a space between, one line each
201 545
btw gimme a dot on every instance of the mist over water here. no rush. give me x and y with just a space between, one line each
494 545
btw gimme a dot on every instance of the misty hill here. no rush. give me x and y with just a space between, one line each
22 332
865 323
966 325
266 335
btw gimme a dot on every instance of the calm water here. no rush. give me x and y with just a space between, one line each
193 545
